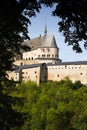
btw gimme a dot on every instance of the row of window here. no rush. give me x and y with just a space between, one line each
30 58
43 55
27 77
48 55
59 75
65 68
45 49
27 72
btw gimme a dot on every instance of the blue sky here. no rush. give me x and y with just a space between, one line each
37 27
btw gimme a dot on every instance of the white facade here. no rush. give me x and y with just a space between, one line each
41 55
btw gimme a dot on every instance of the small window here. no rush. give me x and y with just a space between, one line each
48 55
48 49
35 72
21 63
39 56
42 49
43 55
65 66
81 73
55 55
58 75
15 77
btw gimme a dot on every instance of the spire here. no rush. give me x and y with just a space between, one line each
45 30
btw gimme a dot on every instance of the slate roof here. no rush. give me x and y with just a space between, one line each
27 66
68 63
50 64
41 41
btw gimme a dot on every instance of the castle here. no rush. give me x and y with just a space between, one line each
42 63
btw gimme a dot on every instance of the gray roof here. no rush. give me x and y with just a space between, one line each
41 41
68 63
50 64
28 66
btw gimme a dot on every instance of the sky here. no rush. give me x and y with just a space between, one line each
37 28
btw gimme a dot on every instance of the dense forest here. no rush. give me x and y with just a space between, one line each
51 105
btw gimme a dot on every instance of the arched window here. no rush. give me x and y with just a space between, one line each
43 55
48 55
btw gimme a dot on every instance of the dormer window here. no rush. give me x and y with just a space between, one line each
42 49
48 49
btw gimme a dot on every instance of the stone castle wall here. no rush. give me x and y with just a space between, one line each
74 72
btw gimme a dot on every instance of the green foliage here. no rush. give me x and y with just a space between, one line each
73 22
54 105
10 118
14 21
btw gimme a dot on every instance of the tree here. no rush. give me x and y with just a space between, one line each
73 22
14 20
13 30
54 105
10 118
